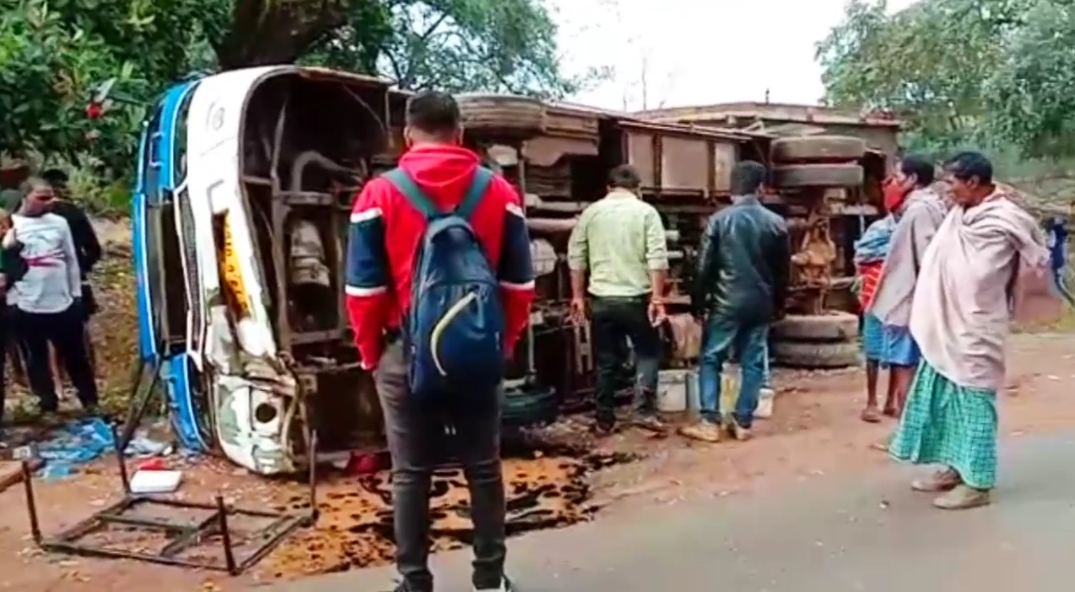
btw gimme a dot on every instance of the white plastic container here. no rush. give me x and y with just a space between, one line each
694 393
729 393
765 403
672 390
729 389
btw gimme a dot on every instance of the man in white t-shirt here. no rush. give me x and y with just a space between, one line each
46 302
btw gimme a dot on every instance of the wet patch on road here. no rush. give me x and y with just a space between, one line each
546 486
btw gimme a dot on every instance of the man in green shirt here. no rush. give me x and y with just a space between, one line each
620 241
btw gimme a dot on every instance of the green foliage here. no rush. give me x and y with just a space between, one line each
44 71
981 72
53 53
1031 96
461 45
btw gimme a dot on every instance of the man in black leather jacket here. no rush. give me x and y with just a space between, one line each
739 289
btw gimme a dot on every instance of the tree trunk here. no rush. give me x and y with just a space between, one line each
266 32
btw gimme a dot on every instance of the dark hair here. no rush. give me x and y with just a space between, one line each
967 165
624 177
747 177
433 112
55 176
920 167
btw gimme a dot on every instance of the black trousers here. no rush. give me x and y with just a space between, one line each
5 336
414 430
66 332
612 322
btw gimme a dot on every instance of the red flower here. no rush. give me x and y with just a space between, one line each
94 110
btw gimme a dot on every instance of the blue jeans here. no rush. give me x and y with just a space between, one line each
719 338
1058 279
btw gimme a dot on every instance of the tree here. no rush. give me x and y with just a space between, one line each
52 54
53 51
44 69
1031 96
929 63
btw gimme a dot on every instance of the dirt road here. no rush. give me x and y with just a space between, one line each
815 434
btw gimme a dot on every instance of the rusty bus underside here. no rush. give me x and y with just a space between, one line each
311 143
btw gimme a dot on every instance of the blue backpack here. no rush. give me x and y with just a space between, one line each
454 329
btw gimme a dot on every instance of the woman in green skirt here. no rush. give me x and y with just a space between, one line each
987 263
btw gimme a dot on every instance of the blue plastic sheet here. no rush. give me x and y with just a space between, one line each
83 441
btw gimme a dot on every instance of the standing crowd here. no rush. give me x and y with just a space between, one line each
942 277
738 290
439 283
47 250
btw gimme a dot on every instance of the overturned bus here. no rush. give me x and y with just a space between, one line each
244 185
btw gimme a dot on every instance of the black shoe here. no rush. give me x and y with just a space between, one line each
403 587
505 586
603 427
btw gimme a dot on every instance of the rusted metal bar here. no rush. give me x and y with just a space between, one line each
551 225
225 537
312 459
117 443
31 503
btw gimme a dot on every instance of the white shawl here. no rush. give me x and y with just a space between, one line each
986 265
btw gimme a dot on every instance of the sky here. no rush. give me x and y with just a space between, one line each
697 52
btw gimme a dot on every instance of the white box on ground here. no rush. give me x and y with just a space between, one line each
145 481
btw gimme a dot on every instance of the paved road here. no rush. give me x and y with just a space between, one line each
872 535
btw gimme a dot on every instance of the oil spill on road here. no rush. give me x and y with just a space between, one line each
547 487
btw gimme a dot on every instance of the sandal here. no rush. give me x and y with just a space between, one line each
941 481
963 498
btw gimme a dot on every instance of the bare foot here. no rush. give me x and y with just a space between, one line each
871 415
883 445
891 411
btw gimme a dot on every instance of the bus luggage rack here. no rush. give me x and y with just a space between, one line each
204 542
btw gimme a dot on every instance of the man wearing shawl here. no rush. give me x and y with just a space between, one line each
870 252
986 265
919 211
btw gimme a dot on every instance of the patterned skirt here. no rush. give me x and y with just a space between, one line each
947 424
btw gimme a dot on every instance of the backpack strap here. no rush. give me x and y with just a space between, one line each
412 192
478 185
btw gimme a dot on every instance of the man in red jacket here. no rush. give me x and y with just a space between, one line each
384 236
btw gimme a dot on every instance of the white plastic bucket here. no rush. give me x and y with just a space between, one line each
694 393
729 393
672 390
765 404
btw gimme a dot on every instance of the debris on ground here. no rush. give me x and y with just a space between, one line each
548 487
155 481
79 442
